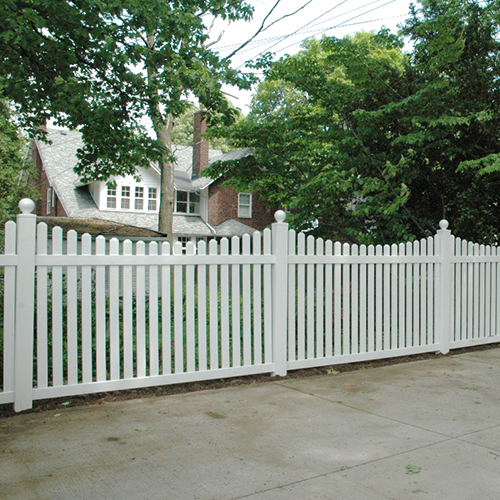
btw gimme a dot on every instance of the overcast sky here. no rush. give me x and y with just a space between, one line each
319 17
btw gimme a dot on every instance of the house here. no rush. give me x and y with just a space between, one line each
204 208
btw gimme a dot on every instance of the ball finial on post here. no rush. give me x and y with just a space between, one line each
26 206
280 216
443 224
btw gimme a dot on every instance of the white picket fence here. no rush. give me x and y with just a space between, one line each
92 316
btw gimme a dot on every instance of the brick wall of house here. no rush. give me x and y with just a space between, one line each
44 185
223 205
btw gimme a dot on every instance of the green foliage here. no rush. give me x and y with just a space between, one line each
109 68
376 144
16 170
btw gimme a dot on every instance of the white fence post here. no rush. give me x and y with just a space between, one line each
25 305
280 294
444 288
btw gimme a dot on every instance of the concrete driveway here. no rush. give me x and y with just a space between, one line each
419 430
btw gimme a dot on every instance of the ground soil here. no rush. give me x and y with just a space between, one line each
7 410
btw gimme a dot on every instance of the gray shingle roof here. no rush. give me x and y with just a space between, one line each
59 159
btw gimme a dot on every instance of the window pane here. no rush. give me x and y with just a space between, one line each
182 195
181 207
194 208
152 193
139 203
111 202
126 191
152 205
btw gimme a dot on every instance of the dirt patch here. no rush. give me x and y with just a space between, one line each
7 410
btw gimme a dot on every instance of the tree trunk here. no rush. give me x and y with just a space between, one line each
167 192
163 129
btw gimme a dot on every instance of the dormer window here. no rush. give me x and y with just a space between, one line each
139 198
111 199
125 197
187 202
152 199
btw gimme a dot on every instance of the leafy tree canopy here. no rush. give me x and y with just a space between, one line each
104 66
364 141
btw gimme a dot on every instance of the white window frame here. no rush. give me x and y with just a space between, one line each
49 201
189 203
153 191
244 208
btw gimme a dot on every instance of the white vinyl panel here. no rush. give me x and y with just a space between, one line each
202 309
394 300
257 301
371 299
320 301
87 309
166 311
488 293
362 302
301 303
464 295
402 309
140 308
247 304
224 307
328 301
387 299
190 311
470 293
477 293
423 294
114 313
379 307
430 293
214 307
72 311
128 319
178 290
292 303
337 302
346 302
235 305
154 361
409 298
482 293
100 305
41 307
416 296
268 300
57 311
310 293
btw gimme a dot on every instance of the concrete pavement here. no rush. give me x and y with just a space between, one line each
418 430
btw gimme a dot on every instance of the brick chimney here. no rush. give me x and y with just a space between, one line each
200 145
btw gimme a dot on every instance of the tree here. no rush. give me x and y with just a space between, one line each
375 144
103 66
16 171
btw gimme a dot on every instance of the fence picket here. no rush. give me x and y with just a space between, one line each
190 311
41 309
292 303
301 302
257 301
178 287
214 307
57 311
114 313
379 311
72 311
235 305
328 300
128 320
387 300
87 310
154 362
268 299
320 352
362 302
224 306
346 302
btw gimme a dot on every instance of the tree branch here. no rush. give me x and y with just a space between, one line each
264 28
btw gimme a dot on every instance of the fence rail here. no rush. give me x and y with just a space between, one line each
83 315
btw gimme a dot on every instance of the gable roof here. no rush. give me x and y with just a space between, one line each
59 159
